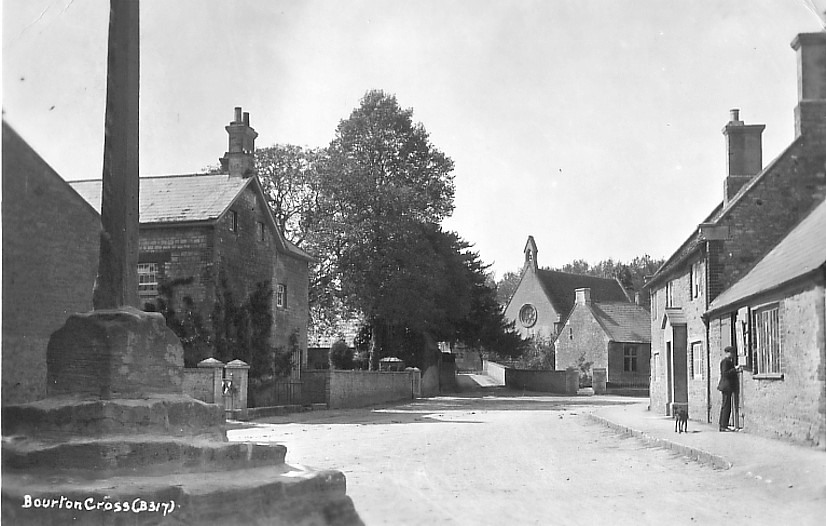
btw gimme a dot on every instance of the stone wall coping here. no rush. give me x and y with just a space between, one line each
237 364
210 362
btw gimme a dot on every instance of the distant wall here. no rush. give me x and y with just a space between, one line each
363 388
561 382
494 370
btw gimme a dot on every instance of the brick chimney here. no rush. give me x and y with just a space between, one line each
810 113
744 147
239 160
583 296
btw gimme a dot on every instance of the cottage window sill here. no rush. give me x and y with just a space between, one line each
768 376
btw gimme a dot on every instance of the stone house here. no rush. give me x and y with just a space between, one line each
760 206
614 336
213 237
50 261
543 298
776 318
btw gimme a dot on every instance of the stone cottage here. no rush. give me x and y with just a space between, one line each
212 239
760 206
615 337
776 318
50 260
543 298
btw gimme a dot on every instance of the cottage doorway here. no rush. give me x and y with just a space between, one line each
677 355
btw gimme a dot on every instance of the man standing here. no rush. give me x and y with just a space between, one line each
728 385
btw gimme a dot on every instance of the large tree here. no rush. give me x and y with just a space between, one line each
382 183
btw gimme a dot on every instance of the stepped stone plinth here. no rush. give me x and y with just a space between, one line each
118 443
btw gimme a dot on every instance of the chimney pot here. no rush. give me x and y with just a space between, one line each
735 116
239 159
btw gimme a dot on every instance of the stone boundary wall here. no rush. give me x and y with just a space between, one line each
494 370
199 384
561 382
364 388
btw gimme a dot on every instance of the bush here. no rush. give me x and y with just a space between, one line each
341 356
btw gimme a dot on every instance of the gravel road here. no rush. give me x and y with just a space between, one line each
498 457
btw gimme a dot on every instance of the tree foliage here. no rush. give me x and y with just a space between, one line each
369 207
382 184
506 287
289 177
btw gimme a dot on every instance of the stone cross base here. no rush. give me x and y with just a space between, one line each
117 353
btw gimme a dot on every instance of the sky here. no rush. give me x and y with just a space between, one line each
592 125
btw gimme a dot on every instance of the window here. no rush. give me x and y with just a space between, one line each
630 358
766 338
527 315
261 231
281 295
232 219
696 279
148 279
669 294
570 333
697 370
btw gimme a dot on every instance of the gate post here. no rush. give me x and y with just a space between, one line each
217 367
238 373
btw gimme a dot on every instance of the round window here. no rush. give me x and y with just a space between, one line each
527 315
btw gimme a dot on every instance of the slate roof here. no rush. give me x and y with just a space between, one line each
560 287
623 322
720 212
183 199
802 251
176 198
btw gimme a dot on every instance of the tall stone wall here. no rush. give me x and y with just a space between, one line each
50 260
293 273
243 256
761 217
581 336
792 407
692 309
182 253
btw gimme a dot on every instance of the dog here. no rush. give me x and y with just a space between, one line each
681 420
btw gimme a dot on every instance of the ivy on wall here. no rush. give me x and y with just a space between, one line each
239 330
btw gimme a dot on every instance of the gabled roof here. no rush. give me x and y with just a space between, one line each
623 322
176 198
720 212
560 288
802 251
14 144
187 198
